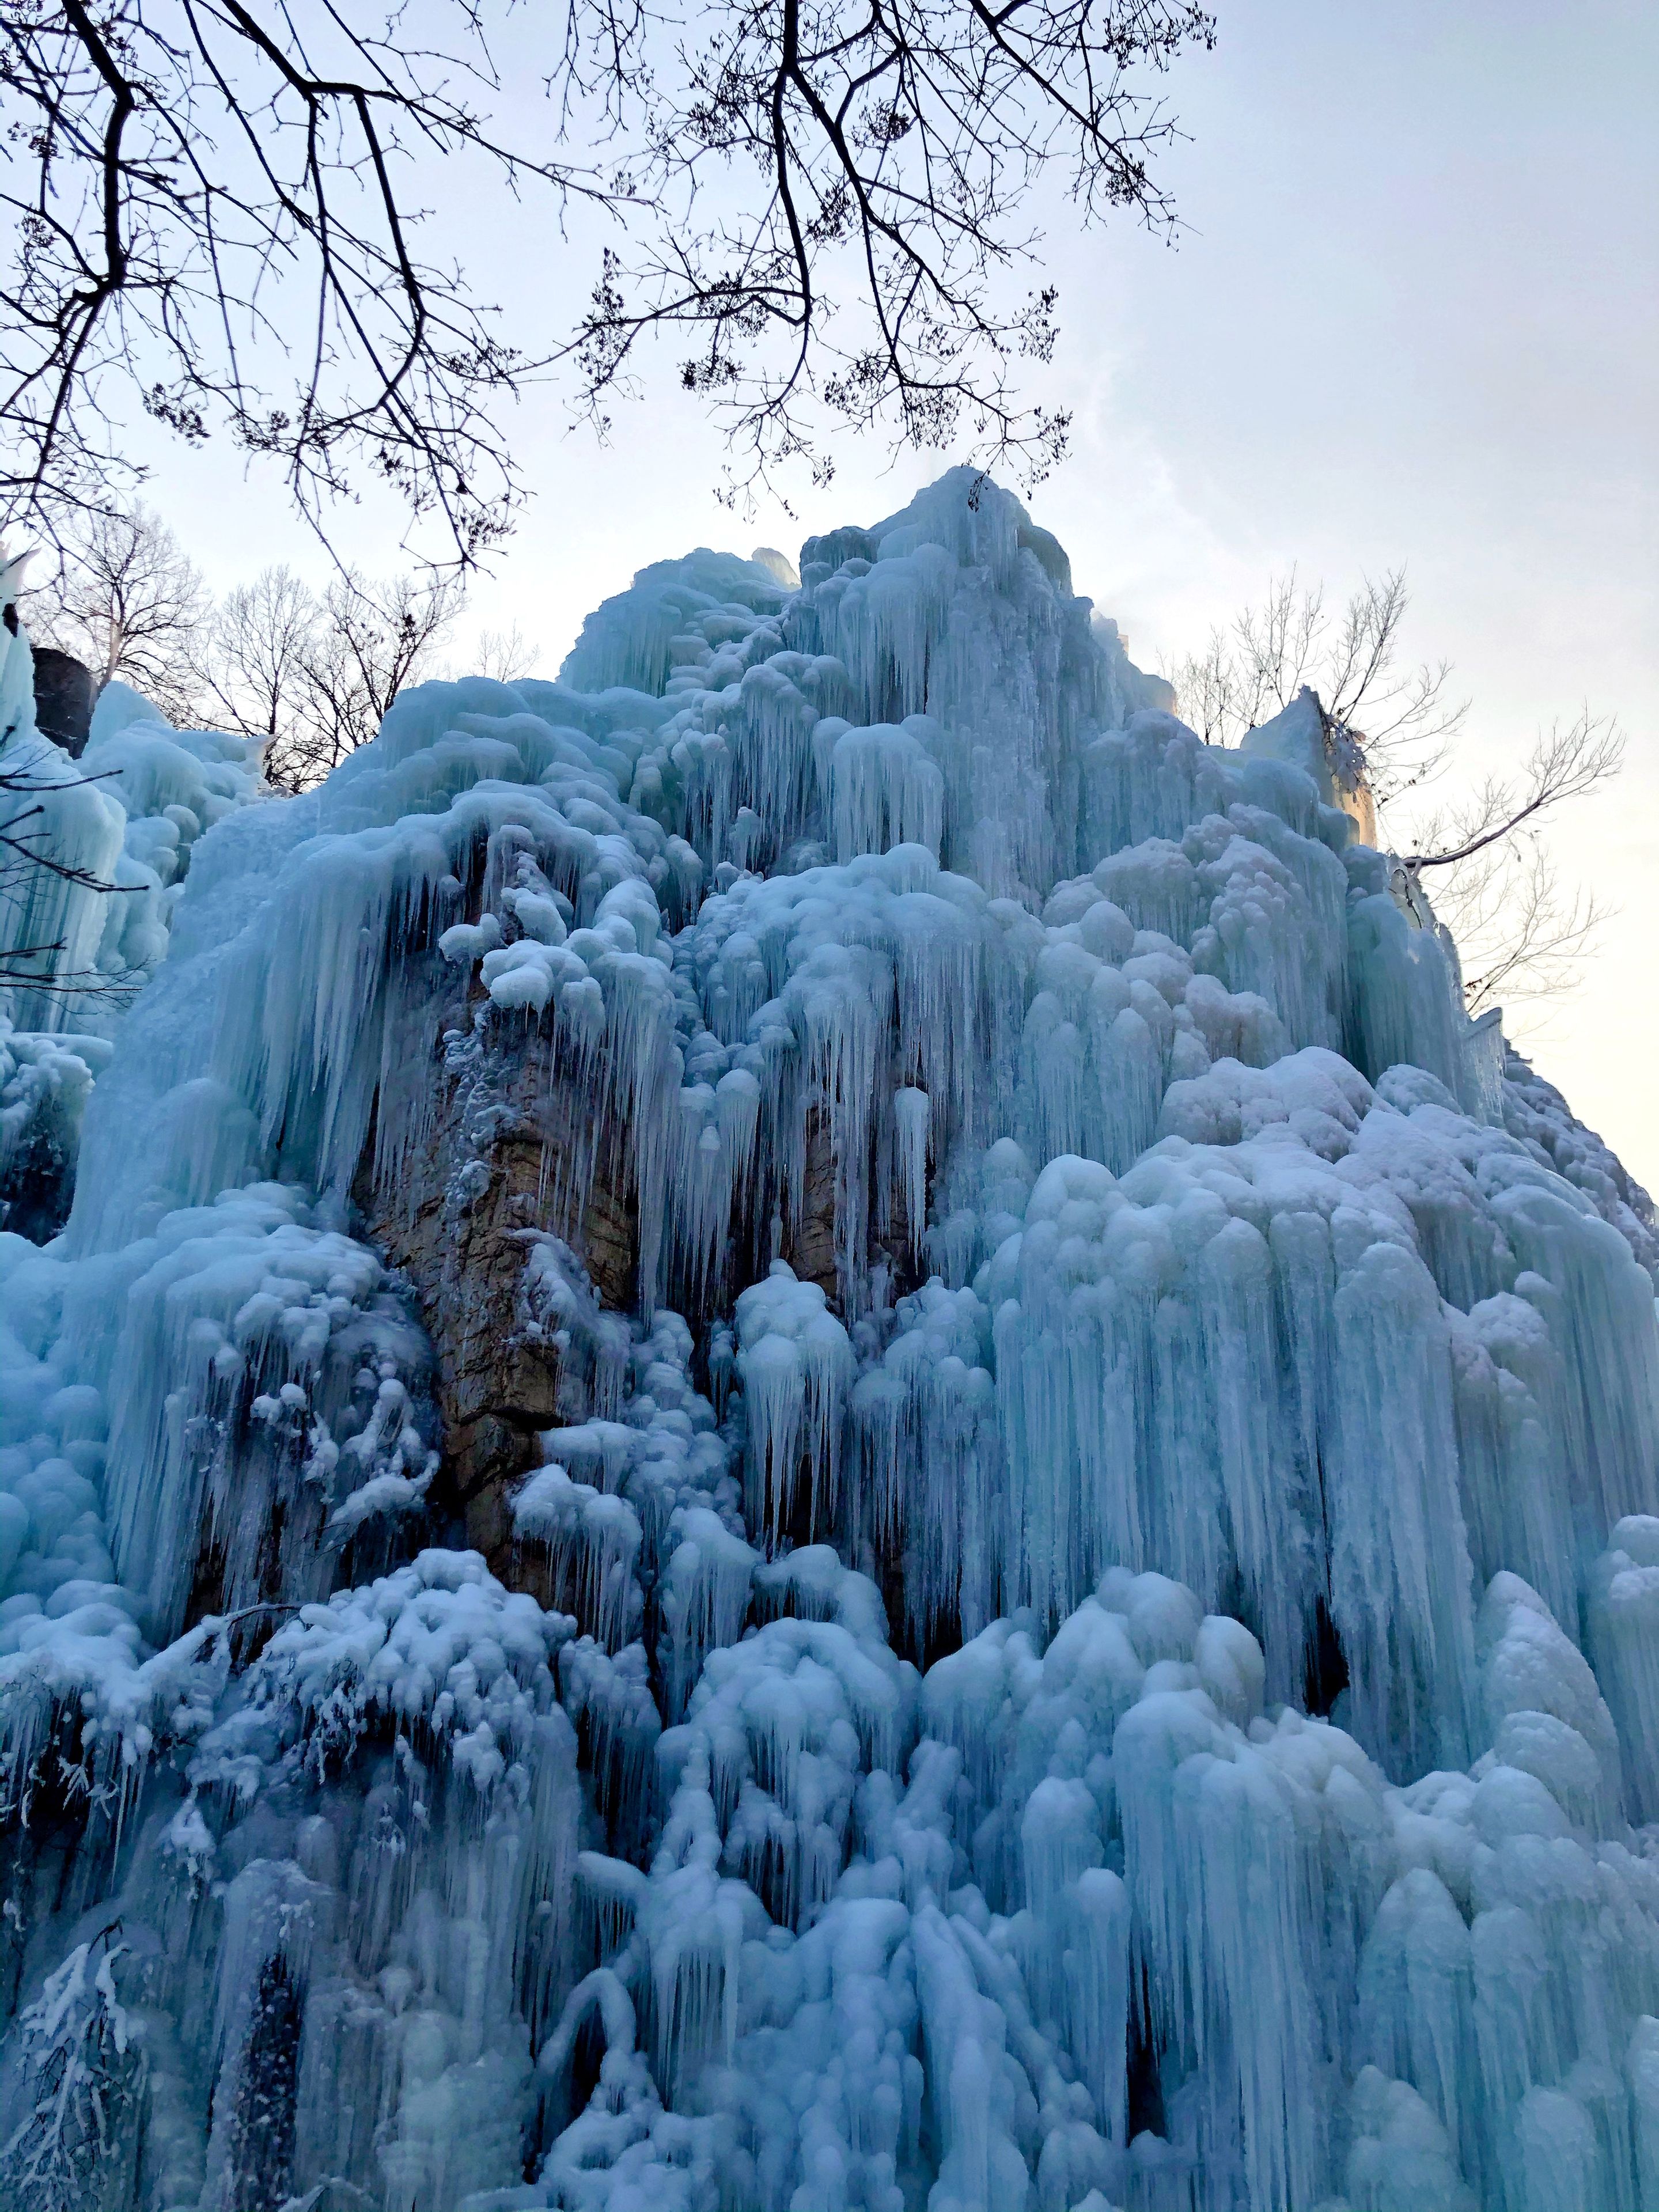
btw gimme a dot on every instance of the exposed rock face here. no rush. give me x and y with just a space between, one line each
64 698
501 1164
809 1244
37 1183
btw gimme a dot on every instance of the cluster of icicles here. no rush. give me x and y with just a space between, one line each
1195 1264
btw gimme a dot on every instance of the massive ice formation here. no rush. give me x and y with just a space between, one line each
94 859
812 1435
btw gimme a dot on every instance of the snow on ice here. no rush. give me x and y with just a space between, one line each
1133 1686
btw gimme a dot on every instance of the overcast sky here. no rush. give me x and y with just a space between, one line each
1413 318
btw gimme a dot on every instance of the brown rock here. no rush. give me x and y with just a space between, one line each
810 1246
506 1148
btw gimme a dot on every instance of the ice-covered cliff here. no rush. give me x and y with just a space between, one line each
93 856
813 1435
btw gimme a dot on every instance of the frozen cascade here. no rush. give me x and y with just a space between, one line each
811 1435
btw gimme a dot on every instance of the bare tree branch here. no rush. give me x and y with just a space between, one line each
1400 720
894 149
504 654
214 221
1567 764
26 858
367 640
182 177
1519 933
127 603
252 671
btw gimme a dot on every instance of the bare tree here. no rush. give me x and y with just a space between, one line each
367 641
1274 646
311 675
1518 932
253 669
505 654
218 218
128 603
1400 719
1207 691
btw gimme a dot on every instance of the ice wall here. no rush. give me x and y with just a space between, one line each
1091 1640
95 852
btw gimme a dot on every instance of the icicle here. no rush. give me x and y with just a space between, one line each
704 1596
1399 1567
600 1534
910 1119
1641 2064
1558 2167
797 1367
1624 1614
1401 2156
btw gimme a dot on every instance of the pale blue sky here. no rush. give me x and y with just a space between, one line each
1414 318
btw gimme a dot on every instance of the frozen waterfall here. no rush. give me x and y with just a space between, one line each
812 1436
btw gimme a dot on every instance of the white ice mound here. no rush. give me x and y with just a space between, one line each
1090 1641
